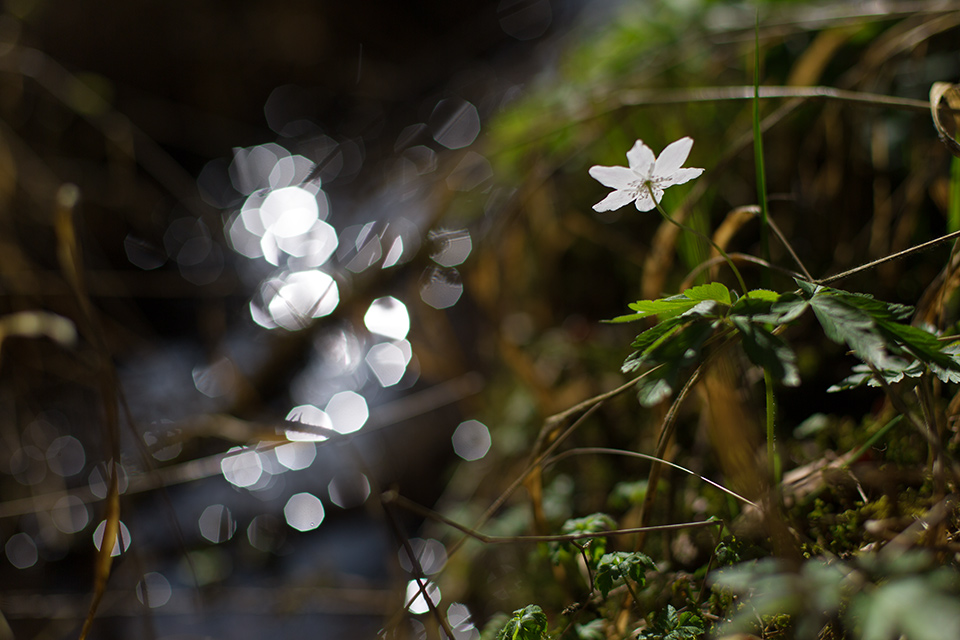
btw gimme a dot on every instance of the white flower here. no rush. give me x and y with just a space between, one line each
646 173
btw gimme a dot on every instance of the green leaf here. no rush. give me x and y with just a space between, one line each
619 566
663 308
851 325
768 351
712 291
649 340
669 625
676 350
762 294
926 347
529 623
666 308
769 307
592 548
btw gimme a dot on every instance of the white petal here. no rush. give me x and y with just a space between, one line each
680 176
645 202
641 158
672 157
617 199
613 177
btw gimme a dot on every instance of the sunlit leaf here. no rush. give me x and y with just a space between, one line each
712 291
592 548
663 308
529 623
619 566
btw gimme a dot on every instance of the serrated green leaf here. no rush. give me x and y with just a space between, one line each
925 346
619 566
592 548
655 335
529 623
630 317
664 307
766 350
809 288
669 625
711 291
762 294
847 324
786 308
675 350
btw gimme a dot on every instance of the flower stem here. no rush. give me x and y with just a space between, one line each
772 458
680 225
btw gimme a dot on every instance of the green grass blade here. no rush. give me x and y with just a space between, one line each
758 153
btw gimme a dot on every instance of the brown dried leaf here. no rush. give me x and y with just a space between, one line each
946 117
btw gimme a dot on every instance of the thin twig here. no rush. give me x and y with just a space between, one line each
589 402
394 497
715 94
894 256
633 454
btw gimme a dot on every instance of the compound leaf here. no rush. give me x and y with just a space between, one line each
619 566
529 623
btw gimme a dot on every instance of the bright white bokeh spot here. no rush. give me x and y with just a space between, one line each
121 544
154 590
250 214
289 171
419 604
366 245
303 511
241 467
21 551
250 167
70 514
471 440
393 254
309 416
296 455
217 523
388 317
451 247
430 554
389 361
349 489
441 288
289 212
242 240
302 296
66 456
261 316
314 247
348 411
